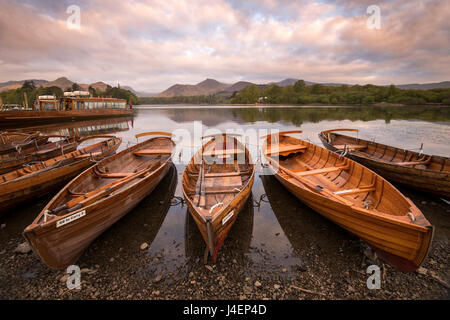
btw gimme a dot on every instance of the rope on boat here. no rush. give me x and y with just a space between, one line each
366 204
47 215
409 214
216 205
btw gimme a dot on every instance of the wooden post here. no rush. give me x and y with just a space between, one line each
26 100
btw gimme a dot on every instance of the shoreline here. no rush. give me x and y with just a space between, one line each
320 105
115 268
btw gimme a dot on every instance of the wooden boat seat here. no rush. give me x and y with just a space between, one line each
114 175
319 171
87 155
354 191
285 150
350 146
221 152
217 191
222 174
225 183
152 152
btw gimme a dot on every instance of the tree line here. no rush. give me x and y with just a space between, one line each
301 94
17 96
368 94
203 99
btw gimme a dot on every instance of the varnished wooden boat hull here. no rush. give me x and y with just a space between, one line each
8 148
400 242
60 244
220 232
430 181
60 247
241 232
13 137
219 224
39 185
17 161
17 191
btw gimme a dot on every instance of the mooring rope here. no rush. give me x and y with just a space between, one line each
176 200
262 198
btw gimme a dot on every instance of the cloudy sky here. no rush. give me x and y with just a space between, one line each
151 45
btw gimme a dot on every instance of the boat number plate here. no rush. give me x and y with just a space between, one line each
71 218
227 217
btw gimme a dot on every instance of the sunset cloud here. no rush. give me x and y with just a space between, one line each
151 45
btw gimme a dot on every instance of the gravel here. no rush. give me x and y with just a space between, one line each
331 265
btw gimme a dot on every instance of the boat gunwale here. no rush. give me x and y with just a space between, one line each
360 154
83 151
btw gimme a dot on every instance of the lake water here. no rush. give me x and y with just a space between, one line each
278 233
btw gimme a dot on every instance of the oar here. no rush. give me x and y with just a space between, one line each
92 196
312 187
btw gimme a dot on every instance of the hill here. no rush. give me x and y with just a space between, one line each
63 83
11 85
206 87
426 86
211 87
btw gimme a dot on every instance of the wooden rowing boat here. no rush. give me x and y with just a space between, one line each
19 157
353 197
40 178
216 184
420 171
96 199
9 137
11 141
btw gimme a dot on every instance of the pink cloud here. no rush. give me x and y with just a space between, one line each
153 44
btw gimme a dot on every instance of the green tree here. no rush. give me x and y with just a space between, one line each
368 100
299 86
76 87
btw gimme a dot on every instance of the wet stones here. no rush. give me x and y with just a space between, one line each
247 290
422 271
23 248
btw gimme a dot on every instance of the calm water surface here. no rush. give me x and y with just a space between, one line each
274 234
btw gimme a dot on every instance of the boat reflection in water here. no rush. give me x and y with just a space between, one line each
314 239
238 240
86 127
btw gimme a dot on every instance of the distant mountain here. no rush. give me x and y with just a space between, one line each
139 93
100 85
211 86
10 85
425 86
238 86
63 83
206 87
